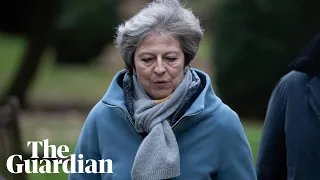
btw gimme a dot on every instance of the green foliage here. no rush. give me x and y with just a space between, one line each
84 28
253 43
54 84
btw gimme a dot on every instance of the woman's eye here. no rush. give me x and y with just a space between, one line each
172 59
146 59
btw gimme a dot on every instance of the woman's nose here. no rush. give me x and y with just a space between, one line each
159 69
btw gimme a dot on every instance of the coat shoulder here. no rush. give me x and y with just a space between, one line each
294 79
291 84
225 118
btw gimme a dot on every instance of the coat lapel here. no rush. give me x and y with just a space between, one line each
314 95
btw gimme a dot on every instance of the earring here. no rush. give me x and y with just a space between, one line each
186 68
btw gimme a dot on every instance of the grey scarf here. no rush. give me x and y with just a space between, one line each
158 155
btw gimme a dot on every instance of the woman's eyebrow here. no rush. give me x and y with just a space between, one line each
144 53
172 52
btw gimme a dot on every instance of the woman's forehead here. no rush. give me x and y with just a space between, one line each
159 41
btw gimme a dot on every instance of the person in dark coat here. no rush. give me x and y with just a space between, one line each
290 142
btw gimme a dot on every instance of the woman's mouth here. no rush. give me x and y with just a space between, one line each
162 84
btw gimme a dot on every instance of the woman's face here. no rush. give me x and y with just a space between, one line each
159 64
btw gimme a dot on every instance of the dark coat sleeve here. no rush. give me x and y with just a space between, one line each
271 159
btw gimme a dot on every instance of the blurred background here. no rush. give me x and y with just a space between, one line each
57 59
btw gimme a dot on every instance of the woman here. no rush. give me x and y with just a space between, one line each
160 119
290 144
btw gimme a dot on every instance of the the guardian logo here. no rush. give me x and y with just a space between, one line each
77 164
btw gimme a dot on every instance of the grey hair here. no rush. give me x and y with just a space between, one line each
167 17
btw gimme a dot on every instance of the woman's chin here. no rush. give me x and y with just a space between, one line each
161 94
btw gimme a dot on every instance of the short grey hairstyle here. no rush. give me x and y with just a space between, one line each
167 17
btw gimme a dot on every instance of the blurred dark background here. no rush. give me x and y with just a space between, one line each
57 59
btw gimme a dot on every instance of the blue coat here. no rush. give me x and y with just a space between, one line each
210 136
290 143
